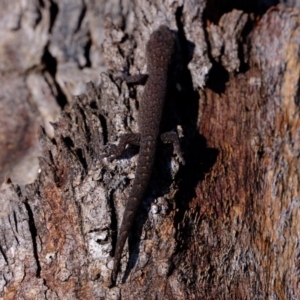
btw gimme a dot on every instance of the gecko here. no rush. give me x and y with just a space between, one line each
159 53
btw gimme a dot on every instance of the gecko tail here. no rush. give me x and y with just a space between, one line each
118 253
114 275
137 193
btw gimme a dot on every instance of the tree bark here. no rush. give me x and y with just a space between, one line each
224 226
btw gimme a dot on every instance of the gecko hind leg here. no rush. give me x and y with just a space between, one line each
114 151
136 79
172 137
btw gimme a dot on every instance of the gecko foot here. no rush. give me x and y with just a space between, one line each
112 151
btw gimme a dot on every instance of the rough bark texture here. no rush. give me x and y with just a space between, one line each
224 226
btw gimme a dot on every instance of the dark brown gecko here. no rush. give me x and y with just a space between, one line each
159 52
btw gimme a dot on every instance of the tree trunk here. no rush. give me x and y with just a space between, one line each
224 225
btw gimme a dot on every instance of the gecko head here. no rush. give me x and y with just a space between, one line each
161 46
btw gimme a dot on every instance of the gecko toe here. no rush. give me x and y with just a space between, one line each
109 152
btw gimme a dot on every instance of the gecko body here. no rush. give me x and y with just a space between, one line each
159 51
